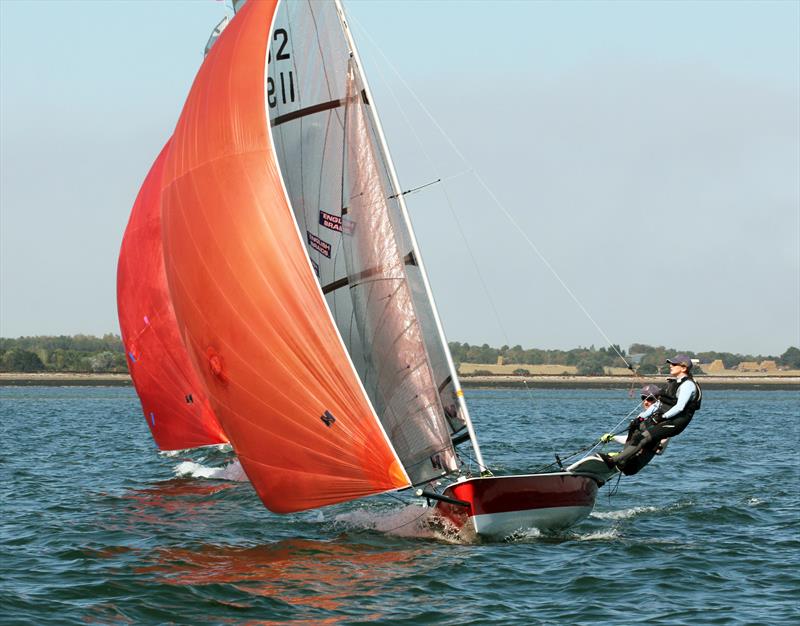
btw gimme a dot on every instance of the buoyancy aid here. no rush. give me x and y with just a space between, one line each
669 397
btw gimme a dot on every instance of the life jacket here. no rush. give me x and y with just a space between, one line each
669 397
638 424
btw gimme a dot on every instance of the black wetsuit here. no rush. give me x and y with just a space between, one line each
647 440
646 453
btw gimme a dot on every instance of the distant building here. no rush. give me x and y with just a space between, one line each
500 360
768 366
748 366
636 359
715 366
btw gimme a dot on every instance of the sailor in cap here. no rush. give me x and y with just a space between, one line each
651 405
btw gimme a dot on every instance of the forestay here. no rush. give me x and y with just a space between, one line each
359 243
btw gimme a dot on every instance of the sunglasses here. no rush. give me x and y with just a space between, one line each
648 399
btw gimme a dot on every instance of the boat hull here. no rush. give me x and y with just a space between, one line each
498 506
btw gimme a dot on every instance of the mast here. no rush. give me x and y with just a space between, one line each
415 247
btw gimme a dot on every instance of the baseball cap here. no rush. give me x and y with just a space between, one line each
650 391
681 359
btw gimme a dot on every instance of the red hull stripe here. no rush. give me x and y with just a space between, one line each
523 493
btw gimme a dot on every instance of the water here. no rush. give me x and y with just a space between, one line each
98 528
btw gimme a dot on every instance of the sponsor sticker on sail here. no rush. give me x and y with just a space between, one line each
335 222
321 246
329 220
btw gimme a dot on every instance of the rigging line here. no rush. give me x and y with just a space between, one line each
612 491
597 443
593 445
472 459
495 199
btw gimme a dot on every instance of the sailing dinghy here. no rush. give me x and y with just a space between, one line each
300 291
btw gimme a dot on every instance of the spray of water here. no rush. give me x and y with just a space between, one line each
190 469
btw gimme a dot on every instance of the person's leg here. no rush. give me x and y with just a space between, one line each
669 428
638 442
638 461
655 433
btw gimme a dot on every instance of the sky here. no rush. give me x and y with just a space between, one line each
623 172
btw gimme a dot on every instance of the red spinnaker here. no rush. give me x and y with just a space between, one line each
254 318
173 399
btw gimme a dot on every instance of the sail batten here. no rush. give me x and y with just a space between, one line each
310 110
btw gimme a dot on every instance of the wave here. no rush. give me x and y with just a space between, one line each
232 471
599 535
403 522
217 447
412 521
625 513
533 535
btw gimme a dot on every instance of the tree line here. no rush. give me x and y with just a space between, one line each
62 353
645 358
106 354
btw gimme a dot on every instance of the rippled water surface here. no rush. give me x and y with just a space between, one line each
98 527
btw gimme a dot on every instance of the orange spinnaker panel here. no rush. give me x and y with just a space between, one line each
253 316
173 400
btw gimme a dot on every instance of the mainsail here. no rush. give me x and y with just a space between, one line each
173 400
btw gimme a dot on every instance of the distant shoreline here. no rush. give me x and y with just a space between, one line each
58 379
777 383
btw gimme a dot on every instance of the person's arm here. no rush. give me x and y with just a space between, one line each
685 393
645 414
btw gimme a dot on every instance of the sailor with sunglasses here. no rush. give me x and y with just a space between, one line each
651 406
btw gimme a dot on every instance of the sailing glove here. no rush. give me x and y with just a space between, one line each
607 437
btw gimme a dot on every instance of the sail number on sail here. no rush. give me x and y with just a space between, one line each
285 80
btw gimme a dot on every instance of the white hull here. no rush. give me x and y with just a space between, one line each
503 524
